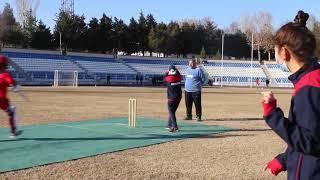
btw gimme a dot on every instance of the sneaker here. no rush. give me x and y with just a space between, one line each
14 135
188 118
199 119
168 127
173 130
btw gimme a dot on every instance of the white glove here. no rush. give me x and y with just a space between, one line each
17 88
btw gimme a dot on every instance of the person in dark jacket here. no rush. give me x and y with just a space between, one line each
267 83
108 80
137 79
141 79
294 50
174 93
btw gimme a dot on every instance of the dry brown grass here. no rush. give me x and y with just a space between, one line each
234 155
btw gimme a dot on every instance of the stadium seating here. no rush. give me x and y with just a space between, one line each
108 67
100 68
279 74
156 61
32 55
34 64
155 67
40 67
235 72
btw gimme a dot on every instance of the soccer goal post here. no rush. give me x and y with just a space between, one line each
62 78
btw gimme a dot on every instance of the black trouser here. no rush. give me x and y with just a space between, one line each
195 97
172 107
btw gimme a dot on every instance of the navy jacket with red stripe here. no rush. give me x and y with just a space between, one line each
173 82
301 130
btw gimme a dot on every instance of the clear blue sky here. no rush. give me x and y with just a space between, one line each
223 12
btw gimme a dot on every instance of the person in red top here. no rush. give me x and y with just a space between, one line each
174 93
6 81
257 82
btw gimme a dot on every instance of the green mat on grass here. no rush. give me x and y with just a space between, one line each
50 143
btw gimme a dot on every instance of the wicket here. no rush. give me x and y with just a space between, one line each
132 112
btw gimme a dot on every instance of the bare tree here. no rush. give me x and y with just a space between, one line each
233 28
264 20
25 9
312 22
313 25
260 25
248 27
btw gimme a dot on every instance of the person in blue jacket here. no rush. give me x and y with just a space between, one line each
294 49
194 80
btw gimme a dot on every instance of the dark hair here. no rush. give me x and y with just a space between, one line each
297 37
193 60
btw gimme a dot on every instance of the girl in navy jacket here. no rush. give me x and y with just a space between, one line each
294 49
174 93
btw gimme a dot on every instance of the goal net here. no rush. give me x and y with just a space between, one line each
65 78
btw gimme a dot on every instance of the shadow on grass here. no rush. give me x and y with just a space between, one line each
239 93
183 134
160 138
215 136
148 136
251 130
236 119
